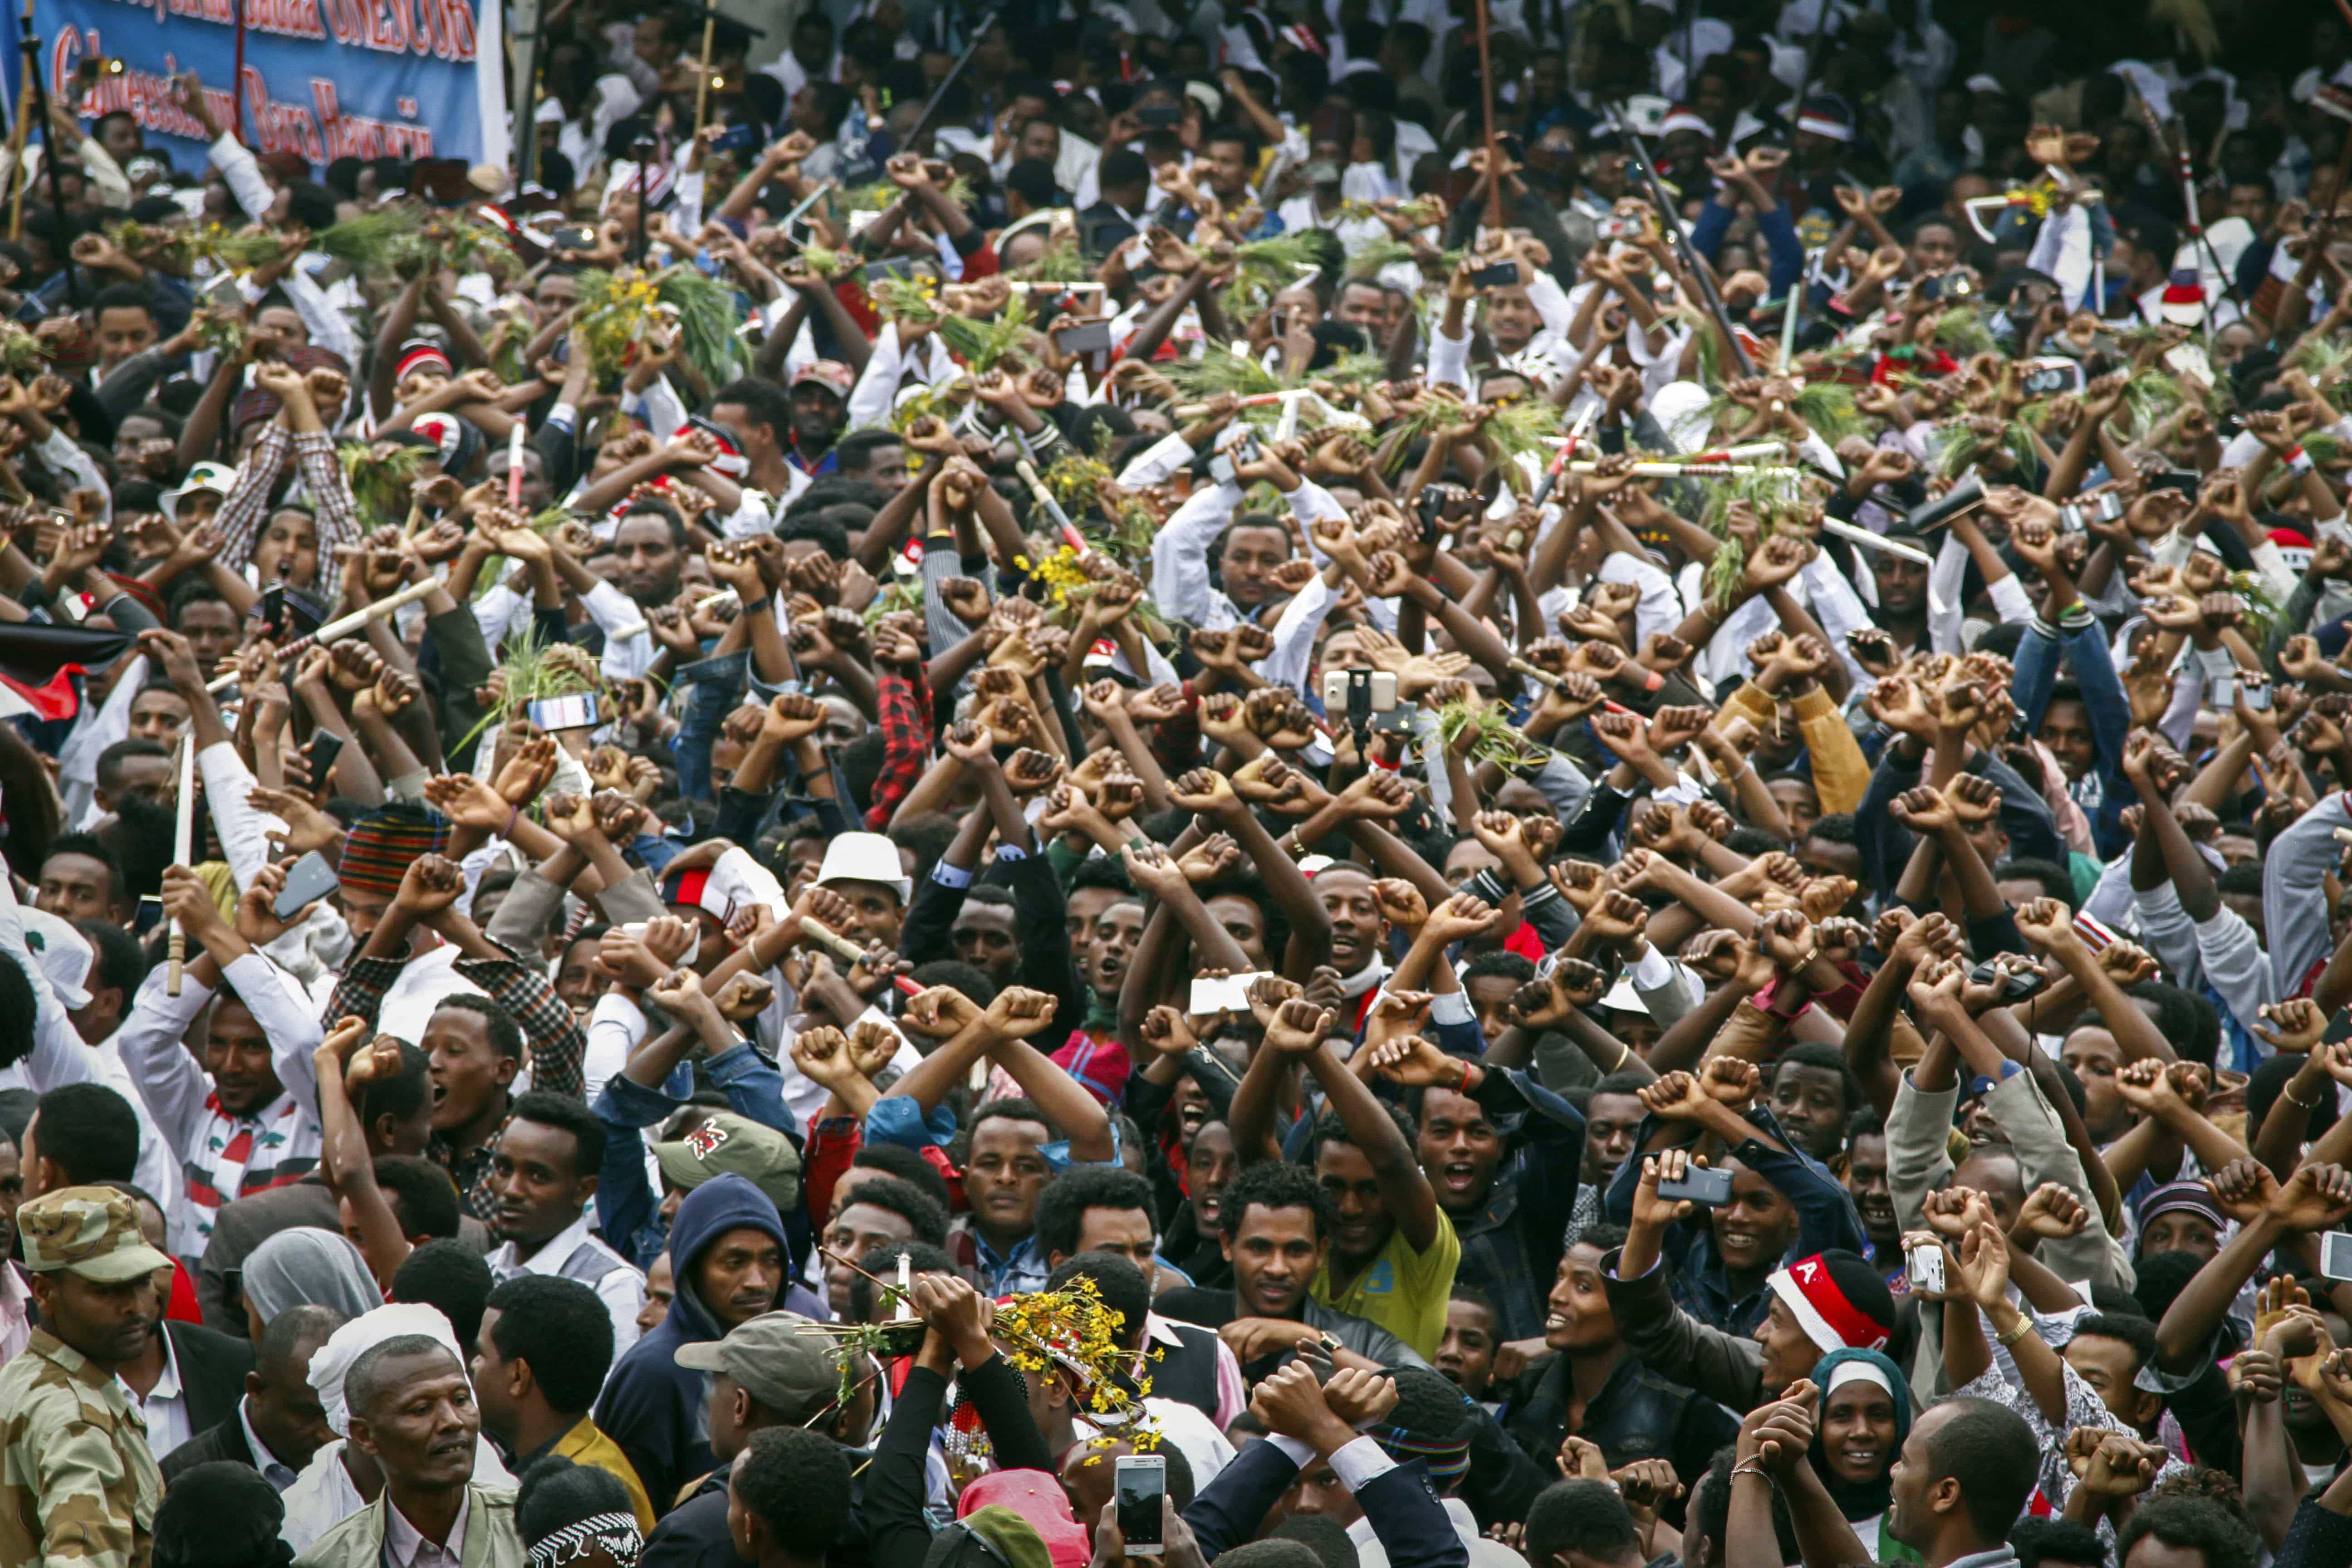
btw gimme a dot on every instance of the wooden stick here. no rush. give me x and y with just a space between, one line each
1494 155
342 627
848 951
702 84
1869 540
182 854
17 138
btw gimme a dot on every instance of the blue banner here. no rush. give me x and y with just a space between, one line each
323 78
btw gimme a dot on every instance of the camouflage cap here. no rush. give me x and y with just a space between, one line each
93 1231
726 1142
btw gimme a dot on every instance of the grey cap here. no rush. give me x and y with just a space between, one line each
790 1364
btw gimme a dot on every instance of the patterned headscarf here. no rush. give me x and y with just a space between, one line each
616 1532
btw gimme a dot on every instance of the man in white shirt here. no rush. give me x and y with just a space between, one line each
543 1174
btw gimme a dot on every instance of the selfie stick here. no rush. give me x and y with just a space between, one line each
340 626
182 854
931 109
1673 225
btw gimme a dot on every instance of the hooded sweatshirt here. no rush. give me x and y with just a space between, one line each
658 1411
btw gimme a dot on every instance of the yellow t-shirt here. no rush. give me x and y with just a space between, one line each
1402 1291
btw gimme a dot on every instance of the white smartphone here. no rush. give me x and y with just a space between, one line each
2335 1255
1925 1265
1142 1483
1229 995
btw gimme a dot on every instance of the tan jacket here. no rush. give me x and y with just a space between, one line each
490 1538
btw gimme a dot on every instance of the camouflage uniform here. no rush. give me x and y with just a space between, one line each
78 1484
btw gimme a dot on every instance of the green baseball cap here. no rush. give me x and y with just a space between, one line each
92 1231
726 1143
789 1363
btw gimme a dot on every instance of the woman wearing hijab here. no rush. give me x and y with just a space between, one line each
1865 1414
306 1265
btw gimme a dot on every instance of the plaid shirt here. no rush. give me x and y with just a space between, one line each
554 1039
247 503
902 712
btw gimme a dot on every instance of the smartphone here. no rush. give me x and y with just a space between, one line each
736 140
2335 1255
2105 507
2052 374
289 612
573 236
318 755
1709 1189
1499 275
1142 1483
1221 465
1228 995
1159 116
1085 338
577 711
1341 686
2014 986
310 879
1926 1267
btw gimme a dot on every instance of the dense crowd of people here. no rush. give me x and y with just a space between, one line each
996 791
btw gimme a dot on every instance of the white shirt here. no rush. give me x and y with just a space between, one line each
165 1406
620 1287
404 1545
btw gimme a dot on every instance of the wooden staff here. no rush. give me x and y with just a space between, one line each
848 951
702 86
342 627
16 144
1494 154
184 852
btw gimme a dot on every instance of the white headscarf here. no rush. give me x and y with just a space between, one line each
333 1361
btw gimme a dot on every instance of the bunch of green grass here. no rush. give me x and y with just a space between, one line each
365 242
1221 369
1961 333
2148 396
882 195
381 482
1376 257
1956 448
981 344
914 300
706 321
20 351
1060 262
1529 426
2324 359
1492 736
533 673
2262 610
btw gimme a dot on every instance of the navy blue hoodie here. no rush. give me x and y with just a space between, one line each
658 1411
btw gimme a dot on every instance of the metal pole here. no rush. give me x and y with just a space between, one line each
522 26
237 86
31 44
930 111
1674 226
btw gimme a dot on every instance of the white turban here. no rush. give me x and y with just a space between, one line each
333 1362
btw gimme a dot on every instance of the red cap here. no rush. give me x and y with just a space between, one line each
1038 1498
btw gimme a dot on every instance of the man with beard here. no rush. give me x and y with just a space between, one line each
78 1477
413 1412
1275 1225
246 1120
728 1247
544 1173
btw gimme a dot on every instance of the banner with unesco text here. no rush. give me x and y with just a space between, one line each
324 79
